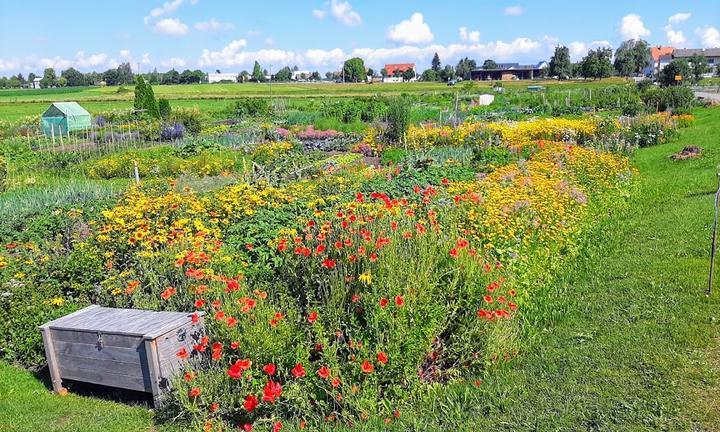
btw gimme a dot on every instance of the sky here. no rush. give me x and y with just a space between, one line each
320 35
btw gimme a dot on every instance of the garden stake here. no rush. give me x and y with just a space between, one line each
714 238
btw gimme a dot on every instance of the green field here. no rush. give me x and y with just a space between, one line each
15 104
632 343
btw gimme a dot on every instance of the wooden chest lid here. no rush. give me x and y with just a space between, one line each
129 322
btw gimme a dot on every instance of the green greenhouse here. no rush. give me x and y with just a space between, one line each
64 117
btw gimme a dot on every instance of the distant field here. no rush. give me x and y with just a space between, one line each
15 104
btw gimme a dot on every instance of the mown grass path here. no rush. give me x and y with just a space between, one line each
633 345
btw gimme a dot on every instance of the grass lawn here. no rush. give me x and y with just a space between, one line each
631 342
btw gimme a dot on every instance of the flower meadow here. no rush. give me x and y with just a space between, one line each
341 296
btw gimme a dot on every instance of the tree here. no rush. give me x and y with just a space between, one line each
398 119
125 75
93 78
49 78
429 75
244 76
21 79
171 77
631 57
698 66
284 74
186 77
464 68
408 74
153 77
31 77
150 104
315 76
489 64
560 65
596 64
257 73
140 92
447 73
370 72
678 68
164 108
436 63
73 77
354 70
328 76
383 72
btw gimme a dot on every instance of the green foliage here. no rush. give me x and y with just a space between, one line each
677 68
699 66
435 63
284 74
464 67
596 64
257 73
560 65
250 107
489 64
164 108
3 174
631 57
191 118
668 98
398 117
354 70
140 94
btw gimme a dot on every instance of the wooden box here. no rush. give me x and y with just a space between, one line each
126 348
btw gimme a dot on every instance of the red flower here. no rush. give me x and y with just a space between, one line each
355 298
367 367
445 181
195 318
236 369
382 357
269 369
453 253
182 353
373 257
488 299
383 302
214 407
234 345
324 372
335 382
271 391
328 263
169 292
250 403
277 426
188 376
247 427
199 303
399 301
312 317
359 197
232 285
298 371
249 246
194 392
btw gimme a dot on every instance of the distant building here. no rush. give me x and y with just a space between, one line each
509 72
220 77
36 83
301 75
393 69
711 54
660 56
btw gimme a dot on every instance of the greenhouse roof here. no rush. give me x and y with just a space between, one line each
70 109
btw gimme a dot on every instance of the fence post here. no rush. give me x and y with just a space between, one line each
137 172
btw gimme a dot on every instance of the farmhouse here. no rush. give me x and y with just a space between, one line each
36 83
301 75
63 117
509 72
712 55
394 71
220 77
661 57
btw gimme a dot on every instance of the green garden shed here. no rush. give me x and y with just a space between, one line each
63 117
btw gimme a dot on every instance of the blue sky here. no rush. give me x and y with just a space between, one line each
319 35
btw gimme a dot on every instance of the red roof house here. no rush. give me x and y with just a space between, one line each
399 67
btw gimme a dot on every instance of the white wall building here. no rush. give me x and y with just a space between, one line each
298 75
218 77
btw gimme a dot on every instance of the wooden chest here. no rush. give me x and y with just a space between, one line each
125 348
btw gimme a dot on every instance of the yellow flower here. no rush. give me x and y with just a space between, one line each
365 278
57 301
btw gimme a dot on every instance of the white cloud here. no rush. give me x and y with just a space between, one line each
166 8
213 25
578 50
325 58
234 54
125 54
674 37
709 37
9 65
344 13
341 11
632 27
269 41
413 31
171 26
253 33
514 10
173 62
679 17
145 59
469 36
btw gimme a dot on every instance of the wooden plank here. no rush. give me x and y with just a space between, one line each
52 360
134 322
101 366
154 370
116 354
70 316
108 379
91 338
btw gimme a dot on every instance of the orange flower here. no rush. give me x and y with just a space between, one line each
312 317
383 302
194 392
367 367
382 357
399 301
298 371
182 353
324 372
169 292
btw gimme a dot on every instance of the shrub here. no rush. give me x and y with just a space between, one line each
172 132
164 107
3 174
397 120
192 119
668 98
250 107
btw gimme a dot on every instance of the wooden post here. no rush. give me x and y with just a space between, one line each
154 370
714 240
52 133
137 172
52 361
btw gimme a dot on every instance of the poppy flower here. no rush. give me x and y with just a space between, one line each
249 246
269 369
199 303
382 357
488 299
188 376
355 298
399 301
445 181
271 391
298 371
247 427
328 263
250 403
324 372
232 285
169 292
359 197
335 382
453 253
277 426
383 302
214 407
182 353
373 257
194 392
312 317
367 367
